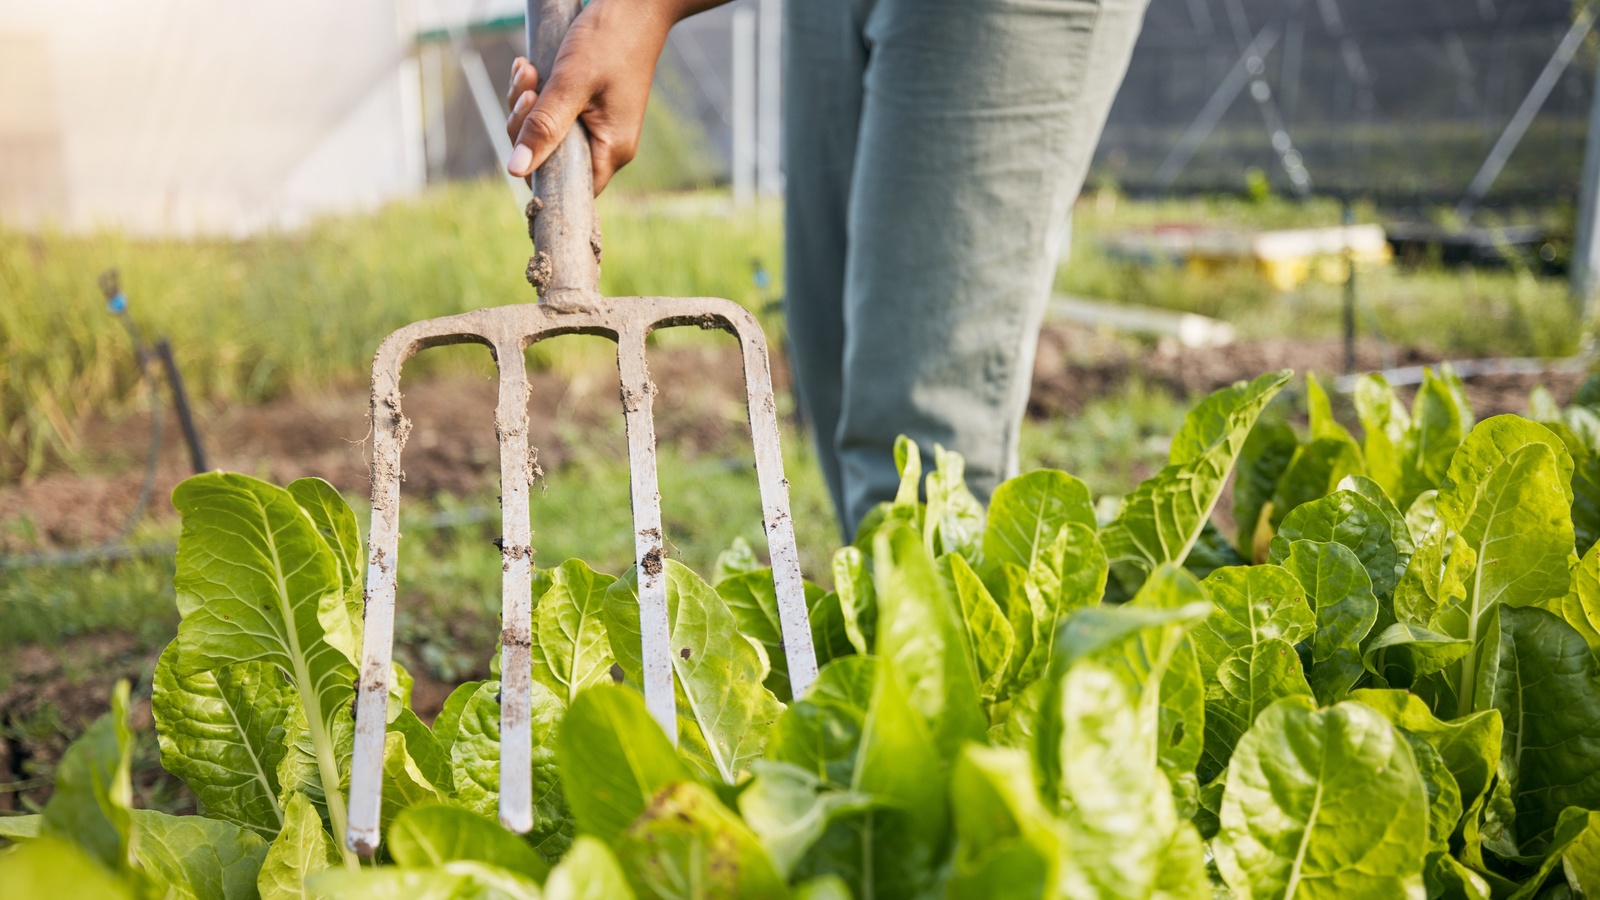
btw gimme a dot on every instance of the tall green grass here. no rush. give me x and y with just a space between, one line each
252 318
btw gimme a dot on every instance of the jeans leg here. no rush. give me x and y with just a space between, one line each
979 120
823 65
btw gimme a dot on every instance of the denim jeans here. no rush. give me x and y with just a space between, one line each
933 151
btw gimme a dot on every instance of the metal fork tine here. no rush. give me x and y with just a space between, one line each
788 583
508 330
389 428
638 394
516 581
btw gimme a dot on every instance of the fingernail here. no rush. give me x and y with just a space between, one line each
521 160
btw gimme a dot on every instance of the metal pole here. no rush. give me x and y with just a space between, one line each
1349 219
769 175
1518 126
435 136
180 400
1261 92
491 112
1586 245
744 103
1216 107
1289 66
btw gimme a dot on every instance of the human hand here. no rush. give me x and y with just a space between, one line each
601 75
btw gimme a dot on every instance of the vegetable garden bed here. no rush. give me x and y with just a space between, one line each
1384 685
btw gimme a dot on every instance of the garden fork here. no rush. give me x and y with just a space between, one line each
565 271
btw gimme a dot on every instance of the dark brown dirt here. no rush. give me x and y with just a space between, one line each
451 450
1076 365
49 695
452 447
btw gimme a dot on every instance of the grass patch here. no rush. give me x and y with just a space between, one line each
250 319
1113 444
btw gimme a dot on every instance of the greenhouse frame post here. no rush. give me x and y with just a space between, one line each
1586 243
769 56
744 106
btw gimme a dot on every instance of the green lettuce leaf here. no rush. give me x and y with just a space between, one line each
1248 682
1323 803
1263 461
752 597
613 758
1008 845
1444 795
1349 519
570 650
1027 512
1252 604
1161 520
790 808
1314 472
1404 654
1337 587
39 868
739 557
589 871
1548 695
195 858
340 614
1070 575
474 759
1469 746
1438 425
430 836
301 849
920 630
687 844
724 711
822 732
92 803
954 519
459 880
1507 496
254 570
447 723
990 638
1097 747
880 784
1384 424
222 732
852 580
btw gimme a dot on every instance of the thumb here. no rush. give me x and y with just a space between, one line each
547 124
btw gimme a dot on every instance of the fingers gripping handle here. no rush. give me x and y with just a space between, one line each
566 267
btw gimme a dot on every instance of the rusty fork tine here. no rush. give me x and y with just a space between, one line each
789 585
516 596
638 394
389 429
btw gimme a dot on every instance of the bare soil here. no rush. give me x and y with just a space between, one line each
452 448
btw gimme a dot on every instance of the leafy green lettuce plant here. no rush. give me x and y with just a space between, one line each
1386 686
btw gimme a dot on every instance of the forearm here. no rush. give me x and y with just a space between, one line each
662 13
683 9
